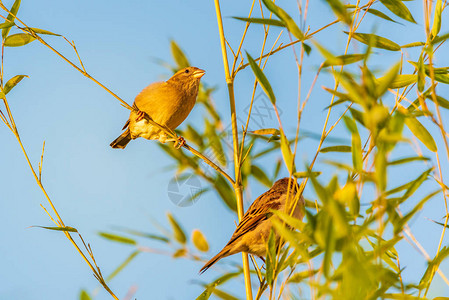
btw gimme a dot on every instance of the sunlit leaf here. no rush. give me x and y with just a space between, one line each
434 263
7 24
306 174
18 39
344 60
407 160
56 228
179 56
399 9
287 154
440 100
261 78
199 240
437 18
340 148
414 44
272 22
11 16
41 31
260 175
421 133
340 11
387 80
12 83
270 131
376 41
178 232
117 238
289 23
443 78
84 295
403 80
270 261
122 265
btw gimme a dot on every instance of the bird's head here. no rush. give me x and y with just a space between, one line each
188 77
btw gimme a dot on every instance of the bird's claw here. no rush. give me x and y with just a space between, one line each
140 115
179 142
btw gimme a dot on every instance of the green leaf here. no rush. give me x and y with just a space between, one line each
84 295
421 133
407 160
437 18
414 44
440 100
399 9
11 16
260 175
403 80
289 23
179 56
7 24
220 280
270 261
178 233
387 80
356 146
350 124
122 265
440 38
18 39
266 131
340 11
340 148
421 74
12 83
306 174
380 14
287 154
117 238
225 192
56 228
40 31
199 240
376 41
443 78
344 60
432 265
272 22
261 78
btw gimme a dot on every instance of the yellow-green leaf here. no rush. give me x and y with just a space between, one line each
179 56
261 78
306 174
122 265
387 80
56 228
178 233
289 23
421 133
199 240
84 295
437 18
403 80
340 148
266 131
340 11
12 83
40 31
11 16
344 60
272 22
376 41
18 39
7 24
399 9
287 154
117 238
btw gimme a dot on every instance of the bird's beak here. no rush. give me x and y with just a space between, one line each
199 73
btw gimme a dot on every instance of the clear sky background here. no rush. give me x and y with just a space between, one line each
97 188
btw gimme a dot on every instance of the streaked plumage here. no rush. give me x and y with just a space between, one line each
167 103
253 231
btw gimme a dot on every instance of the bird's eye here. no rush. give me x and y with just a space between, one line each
186 71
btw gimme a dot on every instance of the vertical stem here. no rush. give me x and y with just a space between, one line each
235 138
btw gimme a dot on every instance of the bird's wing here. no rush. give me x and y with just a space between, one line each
258 212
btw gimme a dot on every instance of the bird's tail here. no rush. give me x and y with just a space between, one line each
122 140
220 255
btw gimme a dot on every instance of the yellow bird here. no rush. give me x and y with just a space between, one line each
167 103
253 231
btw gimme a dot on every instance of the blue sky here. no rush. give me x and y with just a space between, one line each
96 188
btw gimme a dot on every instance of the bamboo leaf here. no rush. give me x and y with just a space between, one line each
340 11
399 9
289 23
178 232
387 80
261 78
122 265
40 31
18 39
414 44
117 238
437 18
11 16
199 240
7 24
380 14
407 160
403 80
440 100
356 147
56 228
266 131
434 263
179 56
443 78
306 174
12 83
340 148
376 41
421 133
260 175
287 154
271 258
272 22
344 60
84 295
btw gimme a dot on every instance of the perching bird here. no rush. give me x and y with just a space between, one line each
167 103
253 231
